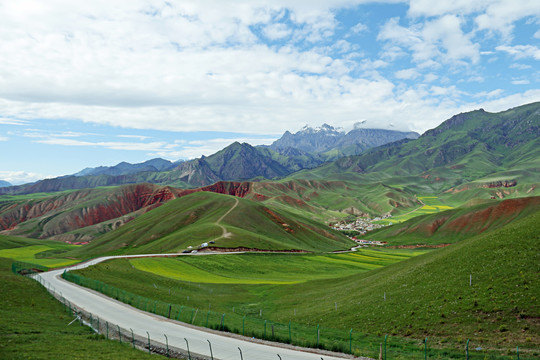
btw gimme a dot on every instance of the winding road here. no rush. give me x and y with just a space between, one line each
224 346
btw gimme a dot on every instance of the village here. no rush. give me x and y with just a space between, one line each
360 227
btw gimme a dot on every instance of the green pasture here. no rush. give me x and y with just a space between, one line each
269 269
432 205
41 252
423 296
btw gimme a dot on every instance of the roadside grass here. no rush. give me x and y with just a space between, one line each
424 296
33 325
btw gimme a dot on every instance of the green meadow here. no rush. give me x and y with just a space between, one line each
373 292
269 269
42 252
431 205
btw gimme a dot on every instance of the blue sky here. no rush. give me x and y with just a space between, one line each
90 83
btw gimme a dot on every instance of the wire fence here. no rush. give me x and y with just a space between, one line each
349 342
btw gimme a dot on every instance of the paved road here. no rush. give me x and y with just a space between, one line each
127 317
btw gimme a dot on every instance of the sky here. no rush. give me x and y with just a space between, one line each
91 83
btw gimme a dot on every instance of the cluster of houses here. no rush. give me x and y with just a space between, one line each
362 226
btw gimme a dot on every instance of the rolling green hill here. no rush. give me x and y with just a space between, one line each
203 216
457 224
484 288
477 152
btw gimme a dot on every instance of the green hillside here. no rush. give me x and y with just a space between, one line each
484 288
453 225
472 154
430 295
203 217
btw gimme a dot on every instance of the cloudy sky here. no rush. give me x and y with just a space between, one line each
89 83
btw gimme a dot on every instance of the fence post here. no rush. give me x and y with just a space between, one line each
148 342
385 337
107 326
244 326
318 335
425 349
167 344
189 354
518 352
98 325
223 322
265 329
211 353
119 334
179 313
132 338
290 339
207 315
169 316
467 350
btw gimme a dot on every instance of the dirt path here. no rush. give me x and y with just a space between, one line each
225 234
418 208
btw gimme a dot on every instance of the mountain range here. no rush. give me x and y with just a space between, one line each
238 161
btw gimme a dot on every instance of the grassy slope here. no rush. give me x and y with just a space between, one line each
33 325
191 220
462 155
43 252
327 198
453 225
430 294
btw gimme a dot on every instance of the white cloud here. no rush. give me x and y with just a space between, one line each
358 28
22 177
537 35
433 42
521 51
520 66
500 15
438 8
276 31
6 121
521 82
489 94
3 138
139 137
407 74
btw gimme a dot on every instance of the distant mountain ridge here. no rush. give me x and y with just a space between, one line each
471 150
4 183
236 162
326 138
464 148
125 168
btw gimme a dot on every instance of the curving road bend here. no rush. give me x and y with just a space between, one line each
223 347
